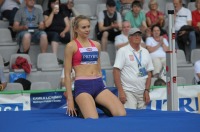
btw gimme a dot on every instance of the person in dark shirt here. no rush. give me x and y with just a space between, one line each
57 25
109 24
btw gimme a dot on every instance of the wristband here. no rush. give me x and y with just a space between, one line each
146 90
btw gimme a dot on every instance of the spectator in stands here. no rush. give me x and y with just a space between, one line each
29 24
57 31
3 82
196 20
67 8
157 47
122 39
125 6
132 72
137 18
109 24
197 71
154 16
183 19
196 15
84 55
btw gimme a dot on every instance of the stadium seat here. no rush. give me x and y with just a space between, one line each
38 6
195 55
100 7
181 59
40 86
92 4
13 86
111 51
6 38
83 9
4 24
187 73
45 4
47 61
181 80
26 56
105 60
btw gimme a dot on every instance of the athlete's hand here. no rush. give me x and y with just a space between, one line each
70 108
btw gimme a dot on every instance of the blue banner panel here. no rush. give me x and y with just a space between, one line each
49 100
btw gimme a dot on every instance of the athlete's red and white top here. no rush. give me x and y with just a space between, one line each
85 55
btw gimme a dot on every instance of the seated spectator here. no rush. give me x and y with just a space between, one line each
183 18
125 6
109 24
137 18
197 71
154 16
157 47
29 25
67 8
122 39
57 31
196 15
3 82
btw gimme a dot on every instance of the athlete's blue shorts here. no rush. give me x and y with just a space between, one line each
90 86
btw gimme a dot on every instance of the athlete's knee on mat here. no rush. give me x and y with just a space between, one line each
92 116
119 112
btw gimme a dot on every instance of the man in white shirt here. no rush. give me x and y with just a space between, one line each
122 39
183 17
132 72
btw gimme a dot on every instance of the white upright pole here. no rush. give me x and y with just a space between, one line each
171 68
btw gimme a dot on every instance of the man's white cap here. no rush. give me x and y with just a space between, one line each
133 31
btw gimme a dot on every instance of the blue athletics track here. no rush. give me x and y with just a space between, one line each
55 120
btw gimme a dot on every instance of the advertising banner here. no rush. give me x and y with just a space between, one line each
15 102
187 98
53 100
49 100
